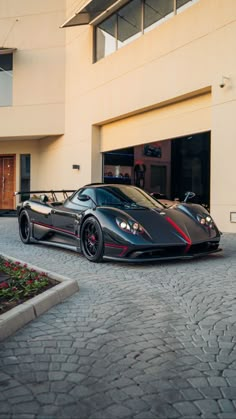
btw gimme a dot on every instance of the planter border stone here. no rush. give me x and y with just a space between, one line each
22 314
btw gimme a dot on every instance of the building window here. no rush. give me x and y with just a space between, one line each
6 79
24 175
156 12
106 37
129 23
183 4
133 20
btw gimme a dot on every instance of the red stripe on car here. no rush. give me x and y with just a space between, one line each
181 232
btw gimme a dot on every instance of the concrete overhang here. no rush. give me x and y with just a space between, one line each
93 12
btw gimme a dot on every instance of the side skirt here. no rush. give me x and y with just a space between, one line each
54 244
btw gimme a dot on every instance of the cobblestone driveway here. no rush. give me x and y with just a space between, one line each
141 342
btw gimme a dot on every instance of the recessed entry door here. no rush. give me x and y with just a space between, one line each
7 182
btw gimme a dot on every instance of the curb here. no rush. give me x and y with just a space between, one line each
22 314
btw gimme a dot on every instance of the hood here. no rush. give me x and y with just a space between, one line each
178 224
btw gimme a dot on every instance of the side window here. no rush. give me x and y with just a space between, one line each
86 191
6 74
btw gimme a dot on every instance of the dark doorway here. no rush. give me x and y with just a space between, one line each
190 167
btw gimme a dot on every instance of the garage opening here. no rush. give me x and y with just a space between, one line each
168 168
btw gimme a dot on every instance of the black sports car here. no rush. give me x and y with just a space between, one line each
118 222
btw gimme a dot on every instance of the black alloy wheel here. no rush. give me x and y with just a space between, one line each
24 227
92 242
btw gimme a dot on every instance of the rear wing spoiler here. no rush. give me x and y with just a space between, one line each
53 193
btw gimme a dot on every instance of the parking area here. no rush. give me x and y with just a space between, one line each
142 341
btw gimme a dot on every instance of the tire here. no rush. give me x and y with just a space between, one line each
24 227
92 242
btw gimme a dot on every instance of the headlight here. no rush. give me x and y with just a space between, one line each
206 220
130 226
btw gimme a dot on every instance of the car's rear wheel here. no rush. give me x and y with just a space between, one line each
24 227
92 242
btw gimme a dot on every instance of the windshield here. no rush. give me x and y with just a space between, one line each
125 196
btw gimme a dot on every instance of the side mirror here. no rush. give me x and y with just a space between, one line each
83 198
189 195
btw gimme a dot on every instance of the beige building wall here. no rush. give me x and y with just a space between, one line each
164 84
33 29
35 121
178 60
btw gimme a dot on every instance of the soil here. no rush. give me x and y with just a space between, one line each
8 305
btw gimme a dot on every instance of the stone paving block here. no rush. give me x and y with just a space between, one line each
146 415
198 382
17 391
117 410
49 411
191 394
211 392
81 391
207 406
26 407
23 416
4 408
56 375
229 392
217 382
40 387
69 367
61 386
226 406
118 396
171 396
231 381
46 398
186 408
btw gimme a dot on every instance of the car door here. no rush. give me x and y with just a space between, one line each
66 218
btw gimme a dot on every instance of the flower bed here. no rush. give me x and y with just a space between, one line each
18 283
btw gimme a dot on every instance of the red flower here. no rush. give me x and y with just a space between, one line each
4 285
14 289
30 281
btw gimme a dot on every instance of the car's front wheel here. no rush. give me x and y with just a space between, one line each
24 227
92 242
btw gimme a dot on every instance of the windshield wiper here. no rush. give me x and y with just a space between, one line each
112 203
128 205
136 206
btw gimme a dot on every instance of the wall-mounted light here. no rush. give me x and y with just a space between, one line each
76 166
223 81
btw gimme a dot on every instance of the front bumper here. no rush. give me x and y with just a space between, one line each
149 254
